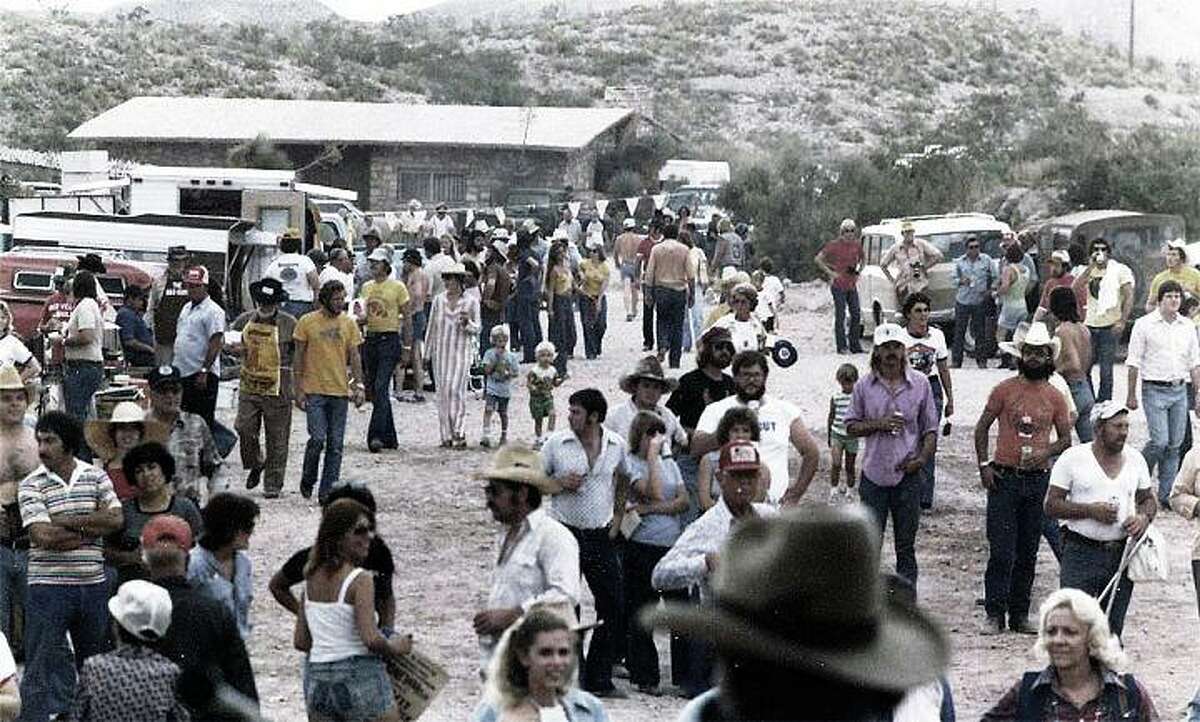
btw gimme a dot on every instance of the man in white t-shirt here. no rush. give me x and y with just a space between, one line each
441 224
778 420
1104 496
339 268
296 272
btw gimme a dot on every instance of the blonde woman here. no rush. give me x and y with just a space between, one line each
1084 678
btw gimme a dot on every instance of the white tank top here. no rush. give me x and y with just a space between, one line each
331 624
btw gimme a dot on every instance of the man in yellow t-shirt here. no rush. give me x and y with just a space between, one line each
385 314
326 343
1177 270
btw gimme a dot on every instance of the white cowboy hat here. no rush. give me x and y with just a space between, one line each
1035 334
100 439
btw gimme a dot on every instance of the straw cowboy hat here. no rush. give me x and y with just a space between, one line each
456 269
100 439
832 619
1035 334
10 378
648 368
519 463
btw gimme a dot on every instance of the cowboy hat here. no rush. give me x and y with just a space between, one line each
100 440
10 378
455 269
267 291
833 620
380 254
1035 334
519 463
649 368
91 262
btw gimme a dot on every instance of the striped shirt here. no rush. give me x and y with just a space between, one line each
43 494
841 404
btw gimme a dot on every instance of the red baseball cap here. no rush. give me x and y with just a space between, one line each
167 528
739 456
196 276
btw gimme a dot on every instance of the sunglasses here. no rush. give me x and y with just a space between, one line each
724 346
363 530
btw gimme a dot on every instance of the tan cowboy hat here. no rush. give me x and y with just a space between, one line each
833 619
648 367
455 269
100 440
1034 334
519 463
10 378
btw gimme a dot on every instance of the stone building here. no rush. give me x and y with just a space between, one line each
20 164
466 156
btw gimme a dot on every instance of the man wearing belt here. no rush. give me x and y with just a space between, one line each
386 309
19 460
1104 495
1164 353
198 343
168 296
266 380
588 462
1027 407
670 275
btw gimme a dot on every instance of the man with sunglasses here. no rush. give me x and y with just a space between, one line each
1109 285
973 275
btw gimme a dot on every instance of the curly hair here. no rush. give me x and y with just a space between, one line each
225 515
738 416
150 452
1103 646
508 679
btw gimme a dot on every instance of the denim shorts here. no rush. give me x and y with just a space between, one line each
351 689
420 319
496 403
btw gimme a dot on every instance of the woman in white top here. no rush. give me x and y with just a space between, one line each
13 350
82 350
347 677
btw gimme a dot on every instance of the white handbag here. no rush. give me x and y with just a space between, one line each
1148 557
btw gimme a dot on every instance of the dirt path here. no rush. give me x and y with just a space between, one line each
432 515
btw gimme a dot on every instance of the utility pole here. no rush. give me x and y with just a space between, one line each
1131 15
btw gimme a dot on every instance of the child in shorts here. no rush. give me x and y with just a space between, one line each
841 444
499 369
542 379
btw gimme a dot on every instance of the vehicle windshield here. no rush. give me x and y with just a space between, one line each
952 245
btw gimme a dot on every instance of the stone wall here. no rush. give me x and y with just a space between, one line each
22 172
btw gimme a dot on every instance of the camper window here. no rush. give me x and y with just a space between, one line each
210 202
32 281
274 220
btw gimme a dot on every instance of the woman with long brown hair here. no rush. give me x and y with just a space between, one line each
337 626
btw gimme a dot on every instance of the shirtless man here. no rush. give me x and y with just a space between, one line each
625 254
1075 358
418 284
18 458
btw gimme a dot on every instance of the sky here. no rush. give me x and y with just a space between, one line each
356 9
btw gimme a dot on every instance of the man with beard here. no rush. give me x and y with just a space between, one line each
893 407
778 420
697 389
1109 286
537 559
1165 355
1028 407
18 457
1090 489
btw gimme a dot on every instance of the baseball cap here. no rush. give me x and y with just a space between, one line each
167 528
195 276
629 223
849 225
887 333
380 254
1061 256
739 456
1105 410
143 609
164 375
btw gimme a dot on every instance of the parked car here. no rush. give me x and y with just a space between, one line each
948 233
540 204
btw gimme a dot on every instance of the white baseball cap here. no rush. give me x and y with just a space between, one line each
1105 410
1061 256
142 609
629 223
888 333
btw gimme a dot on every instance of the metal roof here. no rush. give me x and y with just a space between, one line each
1080 217
320 121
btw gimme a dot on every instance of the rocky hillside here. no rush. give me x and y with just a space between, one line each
842 75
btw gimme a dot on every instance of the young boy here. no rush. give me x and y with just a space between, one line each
542 379
499 369
840 443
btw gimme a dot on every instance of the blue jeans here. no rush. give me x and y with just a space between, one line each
1166 418
930 469
1089 567
1014 530
529 328
562 329
843 301
693 324
964 314
14 563
903 502
671 307
297 308
689 470
80 381
51 611
1104 351
1081 394
593 313
326 416
381 352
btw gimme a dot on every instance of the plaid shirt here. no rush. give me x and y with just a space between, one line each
196 457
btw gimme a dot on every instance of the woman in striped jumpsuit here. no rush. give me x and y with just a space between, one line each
453 320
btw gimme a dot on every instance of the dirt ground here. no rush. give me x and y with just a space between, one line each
431 513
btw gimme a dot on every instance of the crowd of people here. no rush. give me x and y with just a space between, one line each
677 506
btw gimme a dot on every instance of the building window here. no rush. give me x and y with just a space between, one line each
432 186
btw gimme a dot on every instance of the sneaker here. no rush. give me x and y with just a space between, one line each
1023 626
254 478
503 440
992 627
628 317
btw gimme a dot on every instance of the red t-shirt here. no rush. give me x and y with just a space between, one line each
1027 412
1066 280
121 486
842 256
